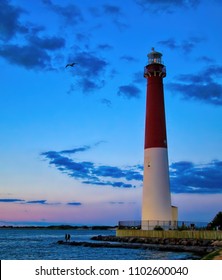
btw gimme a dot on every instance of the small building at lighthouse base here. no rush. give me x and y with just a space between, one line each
169 224
174 213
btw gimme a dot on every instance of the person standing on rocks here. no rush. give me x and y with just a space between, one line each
67 237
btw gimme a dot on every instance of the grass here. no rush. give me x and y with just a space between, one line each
212 255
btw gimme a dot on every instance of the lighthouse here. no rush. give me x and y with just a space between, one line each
156 201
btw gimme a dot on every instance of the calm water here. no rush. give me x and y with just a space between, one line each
41 244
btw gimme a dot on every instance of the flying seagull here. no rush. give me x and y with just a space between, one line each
71 64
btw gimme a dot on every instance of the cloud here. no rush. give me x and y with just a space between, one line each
47 43
106 101
112 12
74 203
205 76
10 20
70 13
168 6
28 56
35 52
138 78
76 150
201 86
90 173
121 202
89 86
10 200
116 172
93 67
81 37
117 202
186 45
205 58
210 93
77 170
91 64
129 91
109 183
128 58
186 177
170 43
104 47
22 201
36 202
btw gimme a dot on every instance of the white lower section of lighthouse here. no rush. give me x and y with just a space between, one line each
156 205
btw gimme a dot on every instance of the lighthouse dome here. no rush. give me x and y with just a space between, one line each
154 57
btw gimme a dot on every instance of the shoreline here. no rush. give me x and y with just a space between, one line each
62 227
198 247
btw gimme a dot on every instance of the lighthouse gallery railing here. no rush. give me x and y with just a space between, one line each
163 225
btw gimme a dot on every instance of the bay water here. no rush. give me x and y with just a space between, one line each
41 244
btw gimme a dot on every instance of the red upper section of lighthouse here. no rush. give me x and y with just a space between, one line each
155 127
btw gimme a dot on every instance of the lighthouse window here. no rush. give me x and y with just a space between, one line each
156 60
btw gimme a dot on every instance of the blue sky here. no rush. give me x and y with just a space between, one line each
72 138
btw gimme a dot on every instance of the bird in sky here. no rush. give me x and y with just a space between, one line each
71 64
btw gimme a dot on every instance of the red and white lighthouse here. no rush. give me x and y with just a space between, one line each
156 204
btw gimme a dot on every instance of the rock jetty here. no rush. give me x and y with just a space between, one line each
200 247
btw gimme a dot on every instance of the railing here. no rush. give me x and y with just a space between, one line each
164 225
155 69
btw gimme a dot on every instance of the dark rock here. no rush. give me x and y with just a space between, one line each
200 247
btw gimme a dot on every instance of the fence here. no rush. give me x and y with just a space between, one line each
164 225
